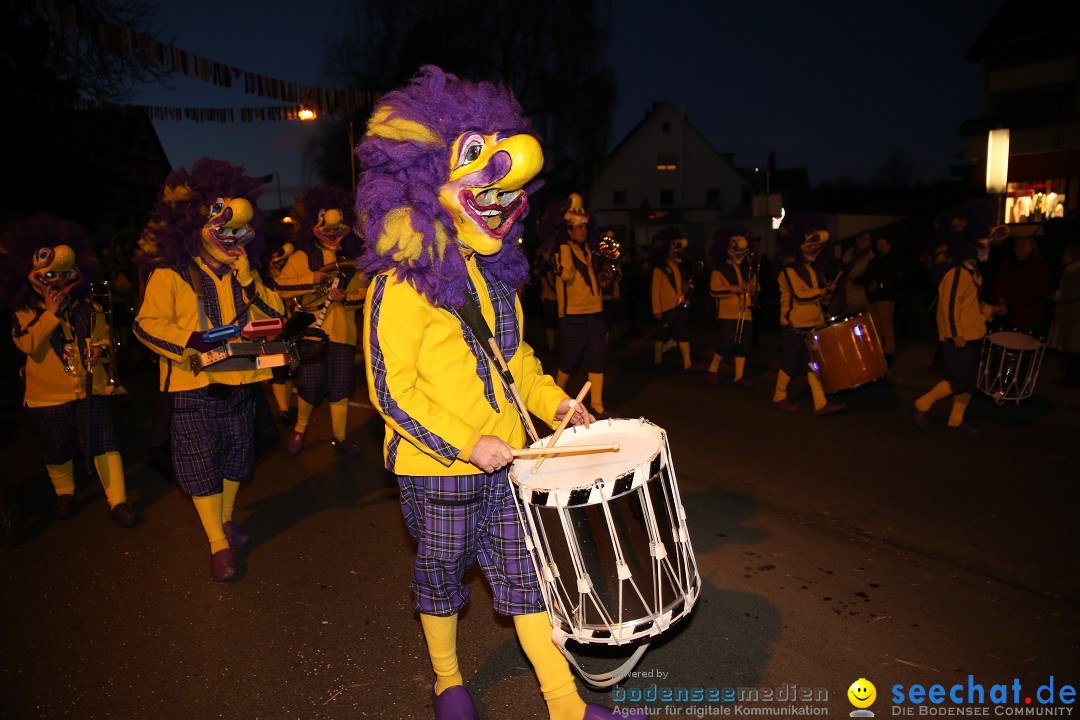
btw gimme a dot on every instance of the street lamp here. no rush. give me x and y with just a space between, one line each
997 167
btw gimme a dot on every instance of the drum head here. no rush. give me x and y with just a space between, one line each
639 443
1011 340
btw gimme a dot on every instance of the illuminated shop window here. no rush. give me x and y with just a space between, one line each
1029 202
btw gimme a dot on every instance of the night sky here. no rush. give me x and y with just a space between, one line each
834 90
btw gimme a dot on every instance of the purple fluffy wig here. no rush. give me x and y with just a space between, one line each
719 249
21 241
184 205
405 174
660 246
792 234
957 235
308 206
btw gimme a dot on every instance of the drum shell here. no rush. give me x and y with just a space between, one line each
1009 365
590 527
847 353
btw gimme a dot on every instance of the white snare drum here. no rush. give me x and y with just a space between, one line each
608 534
1009 366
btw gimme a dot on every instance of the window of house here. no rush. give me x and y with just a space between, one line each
665 127
618 198
667 197
667 162
712 197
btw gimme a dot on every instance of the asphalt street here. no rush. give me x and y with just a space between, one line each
830 549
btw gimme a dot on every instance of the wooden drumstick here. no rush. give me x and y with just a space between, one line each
564 423
508 378
543 452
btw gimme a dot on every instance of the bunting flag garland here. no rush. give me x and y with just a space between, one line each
274 113
125 41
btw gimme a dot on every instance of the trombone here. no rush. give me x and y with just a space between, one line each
101 296
745 298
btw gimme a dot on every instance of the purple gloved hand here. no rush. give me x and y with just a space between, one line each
195 342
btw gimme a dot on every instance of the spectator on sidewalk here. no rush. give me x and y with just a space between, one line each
882 278
1065 331
1021 286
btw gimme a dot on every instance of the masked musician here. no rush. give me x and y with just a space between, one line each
582 335
803 292
324 239
206 222
65 337
962 237
733 284
447 166
281 247
672 283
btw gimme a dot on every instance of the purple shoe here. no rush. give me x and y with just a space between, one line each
744 382
222 565
235 535
829 408
922 420
64 507
345 447
294 443
599 712
454 703
785 405
123 515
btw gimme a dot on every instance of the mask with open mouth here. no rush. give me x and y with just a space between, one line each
738 248
485 192
54 268
814 244
330 229
228 229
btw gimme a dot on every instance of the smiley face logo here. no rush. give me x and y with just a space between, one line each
862 693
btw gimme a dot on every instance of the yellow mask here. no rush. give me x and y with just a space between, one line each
484 193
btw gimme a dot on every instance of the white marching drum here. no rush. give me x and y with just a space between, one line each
1009 366
607 532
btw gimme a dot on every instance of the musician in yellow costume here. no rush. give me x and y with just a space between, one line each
280 246
962 237
565 230
448 167
803 292
732 284
65 338
673 278
205 224
321 276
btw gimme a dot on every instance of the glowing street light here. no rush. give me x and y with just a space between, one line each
307 113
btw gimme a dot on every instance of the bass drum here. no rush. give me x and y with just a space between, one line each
847 352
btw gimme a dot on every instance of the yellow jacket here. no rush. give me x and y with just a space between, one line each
578 288
960 311
723 286
297 280
668 285
41 336
801 296
423 379
170 313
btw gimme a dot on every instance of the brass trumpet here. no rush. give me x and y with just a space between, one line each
610 249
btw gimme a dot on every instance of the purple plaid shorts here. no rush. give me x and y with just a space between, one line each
458 520
213 438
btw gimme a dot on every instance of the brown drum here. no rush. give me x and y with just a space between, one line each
846 352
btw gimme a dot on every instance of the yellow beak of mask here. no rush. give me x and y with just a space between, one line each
228 229
484 193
